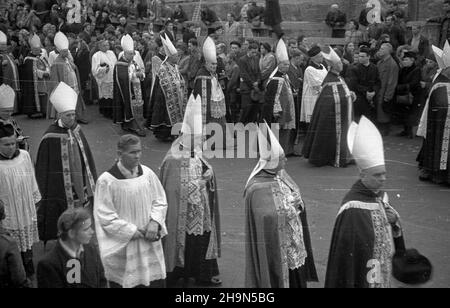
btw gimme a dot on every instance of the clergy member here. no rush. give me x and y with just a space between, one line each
65 168
326 139
167 102
9 73
278 252
435 125
128 100
103 62
362 244
213 99
130 211
193 245
8 96
35 81
64 70
19 192
315 73
279 105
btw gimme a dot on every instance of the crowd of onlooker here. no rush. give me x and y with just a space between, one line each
87 22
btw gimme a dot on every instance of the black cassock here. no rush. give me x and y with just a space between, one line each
52 177
434 157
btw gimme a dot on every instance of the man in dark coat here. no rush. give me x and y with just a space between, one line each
363 79
250 81
272 17
73 262
65 169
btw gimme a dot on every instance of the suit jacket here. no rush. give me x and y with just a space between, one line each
12 273
54 269
250 73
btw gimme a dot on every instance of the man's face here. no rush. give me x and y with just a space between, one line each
283 67
83 234
363 58
230 18
234 49
384 50
374 178
131 157
318 58
211 67
36 51
253 52
122 20
8 146
415 30
104 46
68 118
407 62
128 55
389 21
64 53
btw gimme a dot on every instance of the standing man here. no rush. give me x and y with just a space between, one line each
19 192
364 80
279 104
64 70
362 245
336 20
445 23
250 81
65 168
8 96
195 63
207 86
278 252
388 71
128 100
168 95
103 63
326 140
315 73
193 246
130 211
435 125
9 74
35 81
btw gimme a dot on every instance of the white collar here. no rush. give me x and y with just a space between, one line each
70 251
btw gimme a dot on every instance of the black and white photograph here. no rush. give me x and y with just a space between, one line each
224 147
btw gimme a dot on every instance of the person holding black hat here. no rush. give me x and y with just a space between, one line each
362 244
409 94
20 194
315 73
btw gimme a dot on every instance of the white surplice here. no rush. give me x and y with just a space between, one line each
121 207
311 90
104 75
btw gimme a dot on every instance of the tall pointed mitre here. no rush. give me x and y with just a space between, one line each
169 48
438 53
366 144
332 56
282 52
35 41
209 50
3 38
270 151
64 98
7 97
446 55
192 123
61 41
127 43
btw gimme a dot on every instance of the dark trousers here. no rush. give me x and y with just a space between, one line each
250 109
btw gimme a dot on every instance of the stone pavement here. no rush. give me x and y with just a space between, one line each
424 207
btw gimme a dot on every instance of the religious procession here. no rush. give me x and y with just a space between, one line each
140 148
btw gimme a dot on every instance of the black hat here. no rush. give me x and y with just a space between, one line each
314 51
6 130
410 267
410 54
